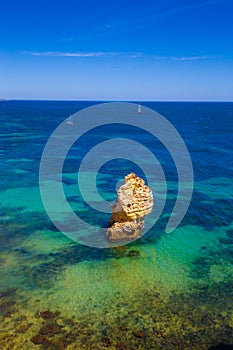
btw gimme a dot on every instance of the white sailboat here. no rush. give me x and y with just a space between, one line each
139 109
69 121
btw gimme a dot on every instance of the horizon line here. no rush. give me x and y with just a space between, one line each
109 100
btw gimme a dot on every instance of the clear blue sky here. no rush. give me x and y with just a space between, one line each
127 50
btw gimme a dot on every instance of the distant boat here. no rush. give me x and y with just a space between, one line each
139 109
69 121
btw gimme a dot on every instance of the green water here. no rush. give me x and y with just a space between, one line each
152 289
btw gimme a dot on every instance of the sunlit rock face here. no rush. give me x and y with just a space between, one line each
134 201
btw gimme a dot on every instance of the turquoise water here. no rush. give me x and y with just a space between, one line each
164 291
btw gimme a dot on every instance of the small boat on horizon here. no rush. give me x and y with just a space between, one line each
139 109
69 121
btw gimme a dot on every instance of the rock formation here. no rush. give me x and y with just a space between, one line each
134 201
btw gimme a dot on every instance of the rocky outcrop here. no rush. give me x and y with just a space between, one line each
134 201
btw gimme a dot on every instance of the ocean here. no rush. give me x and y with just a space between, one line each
162 291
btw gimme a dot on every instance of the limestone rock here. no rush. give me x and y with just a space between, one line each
134 201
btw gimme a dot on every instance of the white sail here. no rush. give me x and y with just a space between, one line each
139 109
69 121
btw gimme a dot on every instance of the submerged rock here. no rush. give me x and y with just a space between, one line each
50 329
38 339
47 314
139 333
134 201
106 342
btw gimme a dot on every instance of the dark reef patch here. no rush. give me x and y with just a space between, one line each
217 213
230 233
207 258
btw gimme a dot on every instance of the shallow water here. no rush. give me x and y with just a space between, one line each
163 291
